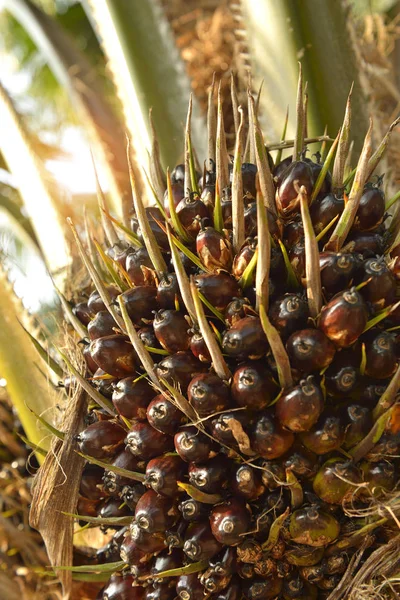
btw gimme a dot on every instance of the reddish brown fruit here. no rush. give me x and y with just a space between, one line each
344 318
299 408
115 355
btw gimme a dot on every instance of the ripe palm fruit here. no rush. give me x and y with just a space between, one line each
226 413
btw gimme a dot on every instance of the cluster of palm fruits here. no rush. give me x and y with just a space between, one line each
245 377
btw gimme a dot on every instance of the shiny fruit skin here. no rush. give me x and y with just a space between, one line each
102 439
313 527
381 289
344 318
288 314
218 288
323 211
190 211
137 259
115 355
91 485
101 325
299 408
359 422
371 209
179 368
154 513
326 435
120 587
381 354
245 339
163 473
193 510
229 521
200 544
287 199
146 541
83 312
252 386
140 301
114 482
164 416
337 480
168 292
262 589
220 429
171 329
194 446
381 477
131 397
96 304
214 250
337 270
310 350
236 310
207 393
268 438
199 347
146 442
188 587
210 477
246 482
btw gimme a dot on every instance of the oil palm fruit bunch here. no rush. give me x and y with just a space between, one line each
242 362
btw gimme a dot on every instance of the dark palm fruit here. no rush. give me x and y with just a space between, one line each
272 474
189 587
137 259
115 355
249 173
225 562
178 174
229 521
111 551
210 477
146 442
194 446
178 194
381 290
179 368
388 445
299 407
359 421
326 435
337 270
262 589
90 363
252 386
381 354
175 536
287 199
153 215
104 383
310 350
131 397
218 288
82 312
214 583
236 310
337 480
165 561
300 461
293 233
168 292
245 339
163 473
246 482
200 544
96 304
146 541
208 393
193 510
371 209
316 168
190 211
370 393
268 438
113 482
102 439
281 167
131 494
340 380
304 556
120 587
323 211
91 485
289 314
367 243
171 329
243 257
380 476
344 318
102 325
213 249
154 513
164 416
160 591
250 222
313 527
246 571
111 508
220 428
140 302
199 347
